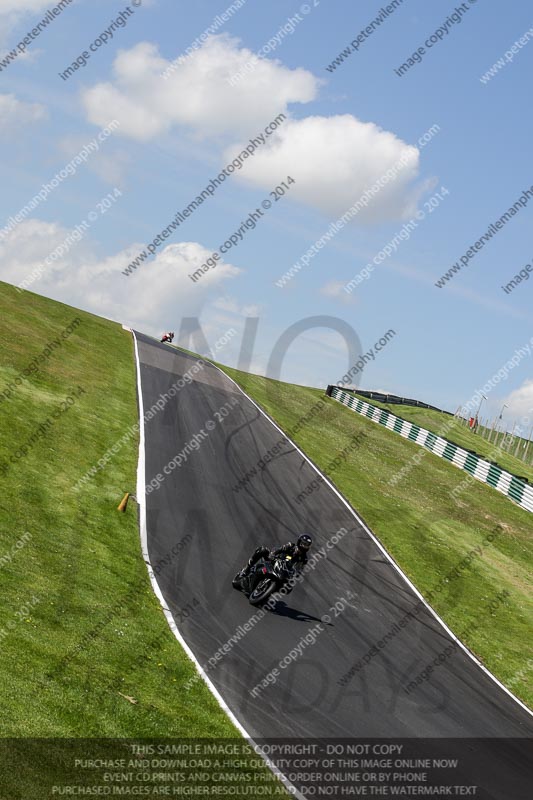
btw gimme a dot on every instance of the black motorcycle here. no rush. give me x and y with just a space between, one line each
264 578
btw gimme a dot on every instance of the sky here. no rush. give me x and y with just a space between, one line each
174 92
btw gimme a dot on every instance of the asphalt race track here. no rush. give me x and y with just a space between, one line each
218 527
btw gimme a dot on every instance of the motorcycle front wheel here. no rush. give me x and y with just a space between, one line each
263 590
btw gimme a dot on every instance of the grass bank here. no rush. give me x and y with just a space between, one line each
457 432
85 649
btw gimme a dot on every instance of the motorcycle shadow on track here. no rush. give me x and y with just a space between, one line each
281 609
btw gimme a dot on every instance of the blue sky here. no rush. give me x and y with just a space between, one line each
344 129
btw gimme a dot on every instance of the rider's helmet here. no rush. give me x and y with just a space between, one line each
304 541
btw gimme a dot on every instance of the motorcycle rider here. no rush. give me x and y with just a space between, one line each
298 553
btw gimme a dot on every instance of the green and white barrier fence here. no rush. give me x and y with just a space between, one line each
510 485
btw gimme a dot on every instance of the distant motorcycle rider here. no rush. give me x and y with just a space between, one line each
298 553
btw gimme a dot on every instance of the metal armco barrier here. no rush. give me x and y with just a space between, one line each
395 399
510 485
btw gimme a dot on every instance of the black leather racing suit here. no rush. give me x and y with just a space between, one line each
299 555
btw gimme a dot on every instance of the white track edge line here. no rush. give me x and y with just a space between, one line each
141 500
383 550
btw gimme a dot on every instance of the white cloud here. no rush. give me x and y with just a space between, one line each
520 405
333 161
12 12
14 112
231 305
21 6
197 94
336 289
156 296
30 56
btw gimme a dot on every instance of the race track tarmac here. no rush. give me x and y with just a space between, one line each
213 528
